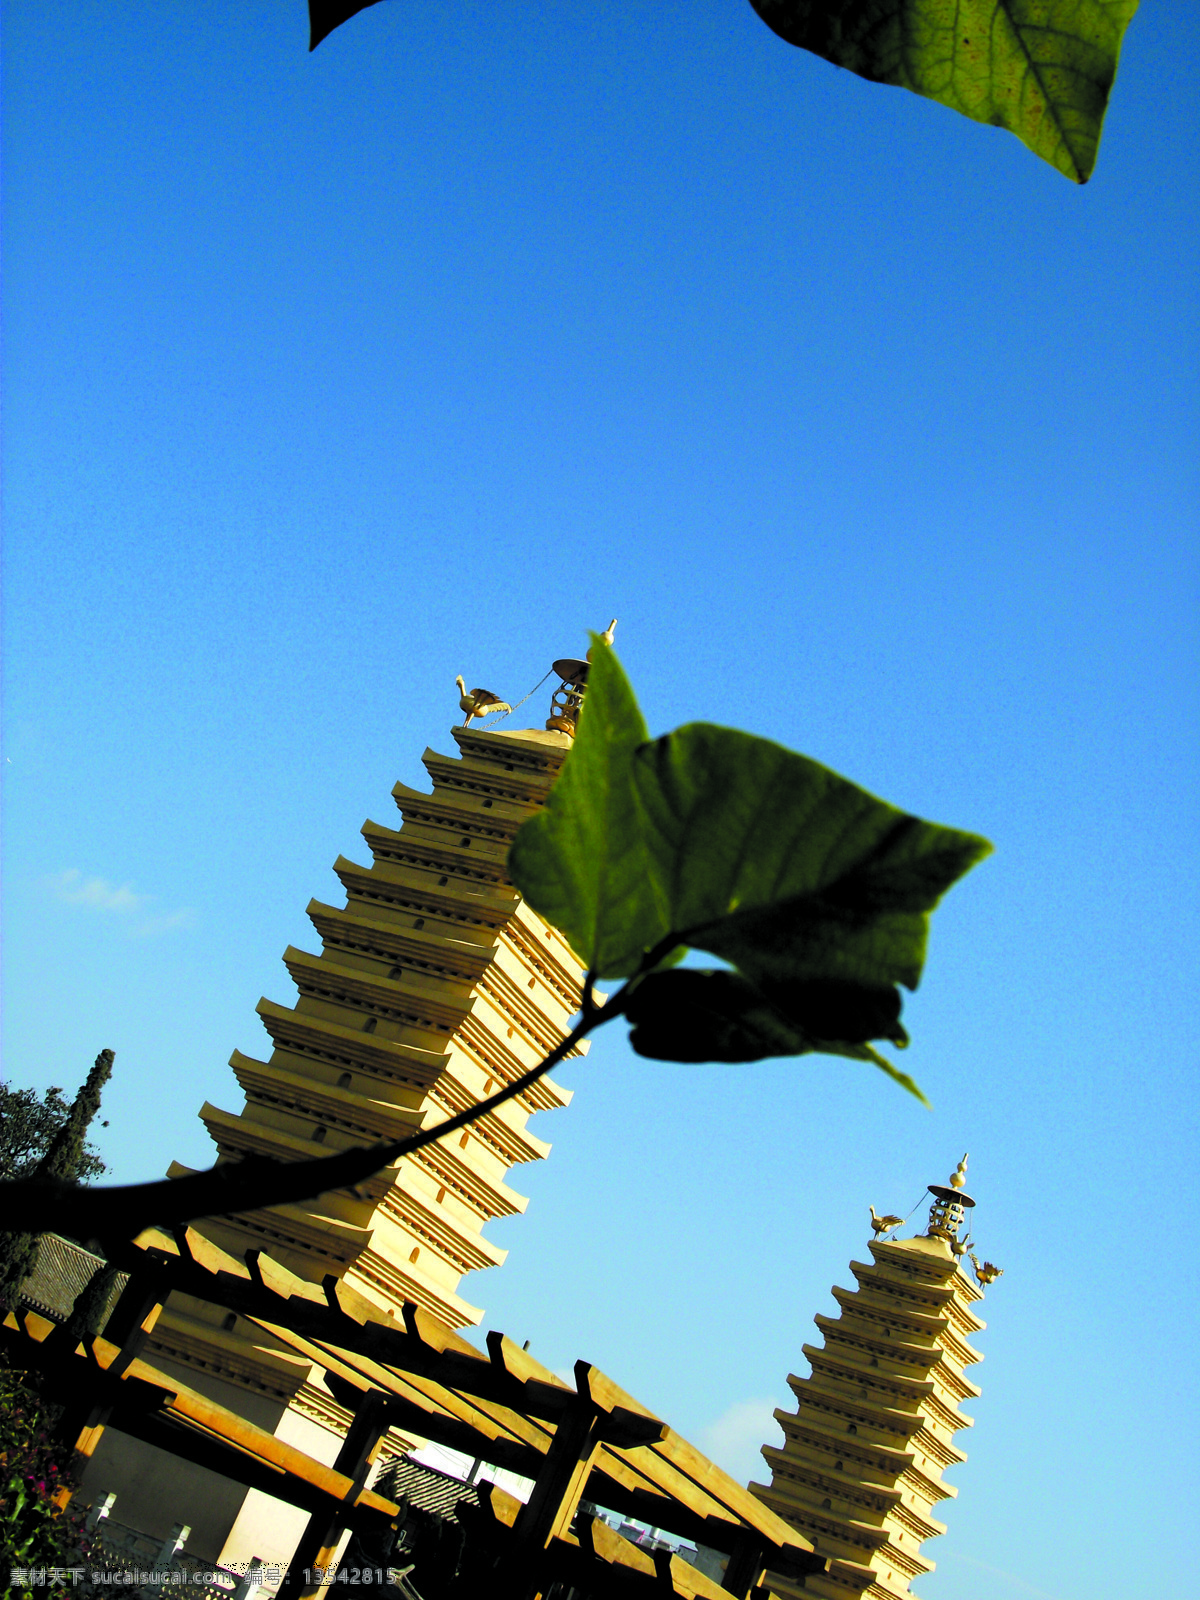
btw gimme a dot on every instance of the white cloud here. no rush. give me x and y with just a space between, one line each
147 927
1010 1578
735 1440
77 890
119 899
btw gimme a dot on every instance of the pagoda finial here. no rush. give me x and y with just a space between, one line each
607 636
567 699
949 1207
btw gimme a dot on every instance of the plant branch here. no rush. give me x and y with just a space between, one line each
122 1211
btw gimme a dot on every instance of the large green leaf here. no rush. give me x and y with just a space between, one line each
326 15
787 871
815 891
582 861
1040 68
697 1014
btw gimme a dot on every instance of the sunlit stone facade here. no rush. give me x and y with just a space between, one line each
860 1468
435 985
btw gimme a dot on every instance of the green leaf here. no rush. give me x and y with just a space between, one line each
696 1014
1042 69
582 861
792 874
326 15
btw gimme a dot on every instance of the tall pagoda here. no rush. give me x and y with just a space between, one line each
435 986
861 1465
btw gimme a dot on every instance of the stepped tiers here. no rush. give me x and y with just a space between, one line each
864 1450
435 985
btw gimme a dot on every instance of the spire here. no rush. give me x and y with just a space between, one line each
949 1208
567 700
861 1463
434 985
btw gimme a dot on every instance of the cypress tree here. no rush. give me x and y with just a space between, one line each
18 1251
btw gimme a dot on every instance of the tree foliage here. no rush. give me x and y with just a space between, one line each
28 1124
34 1531
1043 69
66 1152
59 1166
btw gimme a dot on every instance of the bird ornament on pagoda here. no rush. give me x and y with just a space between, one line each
478 702
986 1272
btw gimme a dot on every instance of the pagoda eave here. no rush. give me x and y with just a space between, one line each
884 1458
399 894
924 1295
873 1305
426 1003
521 750
848 1371
899 1352
501 1061
511 1143
457 776
349 1047
863 1413
482 819
877 1498
390 1286
450 960
423 1221
369 1120
286 1239
487 1199
441 861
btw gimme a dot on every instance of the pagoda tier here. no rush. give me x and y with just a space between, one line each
435 986
864 1450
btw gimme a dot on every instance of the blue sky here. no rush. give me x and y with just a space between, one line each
330 377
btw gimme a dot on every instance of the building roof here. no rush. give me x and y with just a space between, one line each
425 1488
63 1270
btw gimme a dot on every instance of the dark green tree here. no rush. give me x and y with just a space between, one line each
28 1124
61 1163
34 1530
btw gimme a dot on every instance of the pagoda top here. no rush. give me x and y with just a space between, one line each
565 701
943 1234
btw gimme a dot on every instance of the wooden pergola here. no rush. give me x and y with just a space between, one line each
591 1442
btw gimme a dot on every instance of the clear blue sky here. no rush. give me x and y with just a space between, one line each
330 377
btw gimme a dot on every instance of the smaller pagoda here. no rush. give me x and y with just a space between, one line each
860 1468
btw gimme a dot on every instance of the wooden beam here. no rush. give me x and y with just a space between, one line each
319 1540
596 1560
129 1325
423 1346
745 1568
630 1570
625 1483
524 1572
507 1399
148 1405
